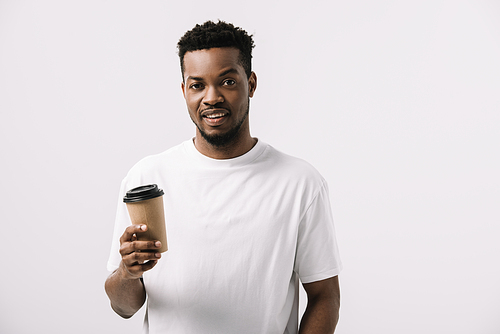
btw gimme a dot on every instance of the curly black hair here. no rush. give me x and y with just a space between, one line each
217 35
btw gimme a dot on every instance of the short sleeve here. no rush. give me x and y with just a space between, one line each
317 255
122 221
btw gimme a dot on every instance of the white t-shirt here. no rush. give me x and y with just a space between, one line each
241 232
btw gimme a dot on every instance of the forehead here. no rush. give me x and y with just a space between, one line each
204 62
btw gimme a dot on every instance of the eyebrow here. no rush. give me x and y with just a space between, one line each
226 72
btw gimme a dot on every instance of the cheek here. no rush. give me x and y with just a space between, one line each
243 99
238 97
192 103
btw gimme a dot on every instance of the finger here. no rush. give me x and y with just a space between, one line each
131 230
139 246
133 260
136 258
148 265
138 270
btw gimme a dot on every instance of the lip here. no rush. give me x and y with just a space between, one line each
220 114
215 121
211 111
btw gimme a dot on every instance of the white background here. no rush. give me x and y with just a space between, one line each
396 103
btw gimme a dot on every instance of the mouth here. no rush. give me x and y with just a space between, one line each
215 117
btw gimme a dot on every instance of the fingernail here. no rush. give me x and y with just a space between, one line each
143 227
158 244
158 255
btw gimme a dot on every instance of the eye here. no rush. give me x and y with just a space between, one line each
229 82
196 86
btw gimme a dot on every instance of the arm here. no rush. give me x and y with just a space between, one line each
323 303
124 287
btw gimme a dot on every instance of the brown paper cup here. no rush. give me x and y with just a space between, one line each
150 212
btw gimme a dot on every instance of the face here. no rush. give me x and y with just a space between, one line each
217 93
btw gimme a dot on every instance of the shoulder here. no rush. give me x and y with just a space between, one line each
290 162
292 167
158 163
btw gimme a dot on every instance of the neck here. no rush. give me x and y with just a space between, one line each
239 146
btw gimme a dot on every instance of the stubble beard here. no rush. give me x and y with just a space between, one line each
224 139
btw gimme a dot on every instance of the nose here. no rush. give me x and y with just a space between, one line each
212 96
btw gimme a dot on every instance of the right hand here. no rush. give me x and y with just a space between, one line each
137 256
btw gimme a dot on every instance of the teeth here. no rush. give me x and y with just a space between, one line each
215 115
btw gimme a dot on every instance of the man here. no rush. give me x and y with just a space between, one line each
245 222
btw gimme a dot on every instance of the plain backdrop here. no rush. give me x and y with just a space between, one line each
396 103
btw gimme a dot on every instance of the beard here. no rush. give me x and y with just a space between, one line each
224 139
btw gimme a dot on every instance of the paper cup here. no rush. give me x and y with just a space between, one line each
145 206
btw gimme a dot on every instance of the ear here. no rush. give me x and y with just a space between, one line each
252 84
183 87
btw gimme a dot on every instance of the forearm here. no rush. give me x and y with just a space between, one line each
126 295
323 304
320 317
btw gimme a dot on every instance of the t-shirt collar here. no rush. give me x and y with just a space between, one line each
242 160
